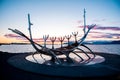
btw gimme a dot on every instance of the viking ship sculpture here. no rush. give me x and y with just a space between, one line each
54 53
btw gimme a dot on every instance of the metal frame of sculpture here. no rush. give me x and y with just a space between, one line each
63 50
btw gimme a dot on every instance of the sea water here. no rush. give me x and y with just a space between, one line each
107 48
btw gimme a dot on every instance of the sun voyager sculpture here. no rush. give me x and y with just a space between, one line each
73 48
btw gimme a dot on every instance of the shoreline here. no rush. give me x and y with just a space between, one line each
12 73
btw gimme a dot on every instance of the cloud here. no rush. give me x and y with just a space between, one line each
18 37
95 34
107 28
104 32
103 28
34 39
14 36
115 35
103 36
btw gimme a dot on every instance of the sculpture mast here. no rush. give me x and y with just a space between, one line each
84 29
29 26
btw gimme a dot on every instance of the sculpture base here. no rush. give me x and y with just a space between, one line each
87 70
75 61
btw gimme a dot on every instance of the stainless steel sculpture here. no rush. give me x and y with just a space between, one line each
63 50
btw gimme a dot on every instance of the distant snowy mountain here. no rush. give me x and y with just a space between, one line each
98 42
101 42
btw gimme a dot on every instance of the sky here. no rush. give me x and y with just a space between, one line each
59 18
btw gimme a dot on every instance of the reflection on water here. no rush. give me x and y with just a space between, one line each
112 48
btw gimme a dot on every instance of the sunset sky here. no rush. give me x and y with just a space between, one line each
59 18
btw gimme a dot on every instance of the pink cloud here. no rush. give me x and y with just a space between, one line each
94 34
11 35
25 40
107 28
14 36
101 36
103 28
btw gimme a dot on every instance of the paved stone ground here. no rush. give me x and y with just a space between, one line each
110 69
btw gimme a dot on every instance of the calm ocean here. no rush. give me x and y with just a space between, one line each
108 48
